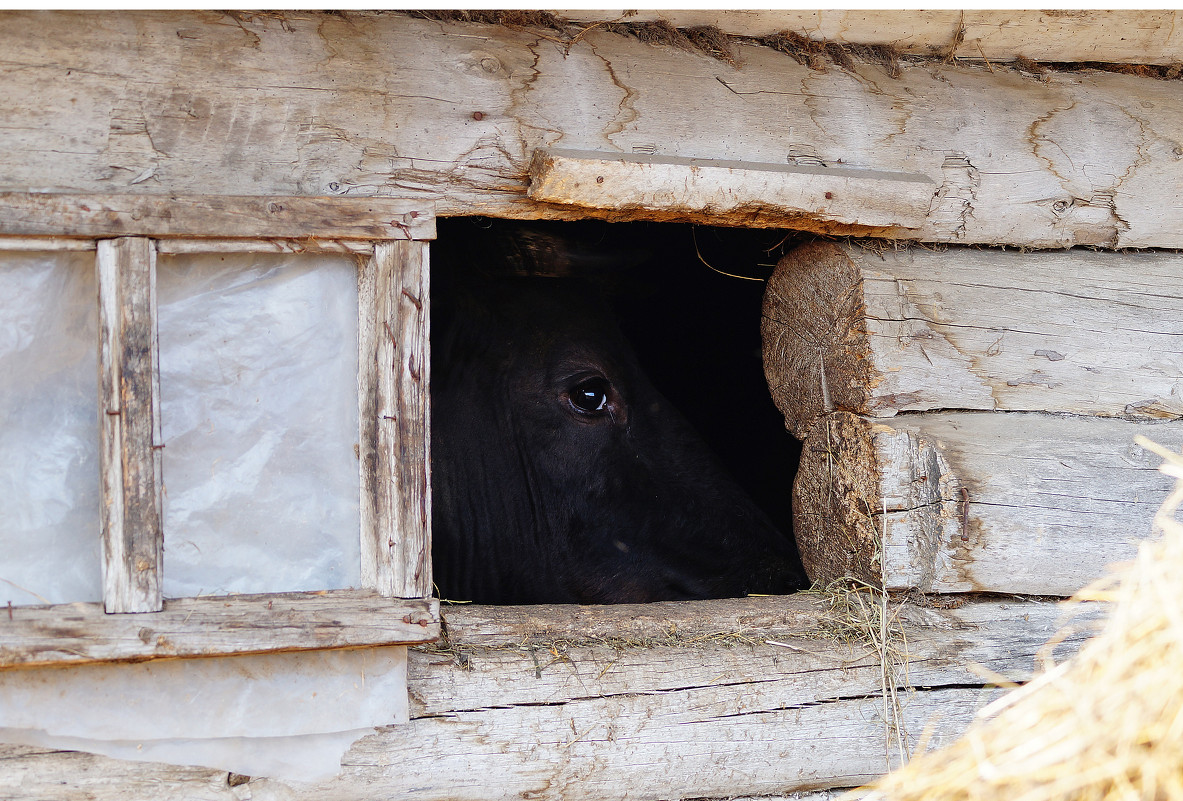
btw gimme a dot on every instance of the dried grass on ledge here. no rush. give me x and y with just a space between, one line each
1107 724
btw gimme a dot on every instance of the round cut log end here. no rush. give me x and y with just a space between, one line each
817 357
836 497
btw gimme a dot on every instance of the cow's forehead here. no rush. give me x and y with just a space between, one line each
554 311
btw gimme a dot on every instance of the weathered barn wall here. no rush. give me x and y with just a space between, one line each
386 104
711 699
917 329
1012 502
358 105
969 414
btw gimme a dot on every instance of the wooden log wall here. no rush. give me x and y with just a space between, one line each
393 105
934 443
704 699
969 414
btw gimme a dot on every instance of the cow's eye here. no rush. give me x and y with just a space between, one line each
590 396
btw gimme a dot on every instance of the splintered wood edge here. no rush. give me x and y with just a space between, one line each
837 500
224 217
79 633
607 180
817 357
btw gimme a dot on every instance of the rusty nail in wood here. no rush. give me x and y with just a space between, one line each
416 302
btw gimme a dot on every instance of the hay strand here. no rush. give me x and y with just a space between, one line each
1107 724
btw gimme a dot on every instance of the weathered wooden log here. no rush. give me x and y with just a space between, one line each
162 102
881 332
700 699
991 35
986 502
606 180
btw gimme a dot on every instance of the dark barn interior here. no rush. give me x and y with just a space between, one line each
688 298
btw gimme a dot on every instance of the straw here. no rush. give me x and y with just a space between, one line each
1106 724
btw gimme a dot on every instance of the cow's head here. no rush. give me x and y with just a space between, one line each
561 475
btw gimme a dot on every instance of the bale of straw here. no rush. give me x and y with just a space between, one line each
1106 724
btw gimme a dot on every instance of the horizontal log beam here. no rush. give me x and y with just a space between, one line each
970 502
1123 37
602 180
68 634
264 105
691 716
173 247
881 332
543 625
203 245
114 215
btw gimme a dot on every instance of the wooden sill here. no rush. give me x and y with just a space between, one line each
78 633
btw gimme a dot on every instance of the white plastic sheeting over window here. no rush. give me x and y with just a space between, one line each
259 411
288 716
259 414
49 429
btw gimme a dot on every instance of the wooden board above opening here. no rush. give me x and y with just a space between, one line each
605 180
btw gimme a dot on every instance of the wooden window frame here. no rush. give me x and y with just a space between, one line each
135 623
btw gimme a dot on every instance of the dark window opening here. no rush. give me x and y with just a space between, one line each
680 296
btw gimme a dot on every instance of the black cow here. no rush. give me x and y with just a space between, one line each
560 475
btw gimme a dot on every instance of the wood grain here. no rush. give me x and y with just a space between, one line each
1118 36
698 717
203 103
203 245
602 180
269 245
44 243
393 391
975 502
129 426
134 214
541 625
65 634
913 329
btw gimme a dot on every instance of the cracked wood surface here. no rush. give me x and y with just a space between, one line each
388 105
1123 37
131 499
394 367
715 716
226 217
881 332
602 180
78 633
1052 500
